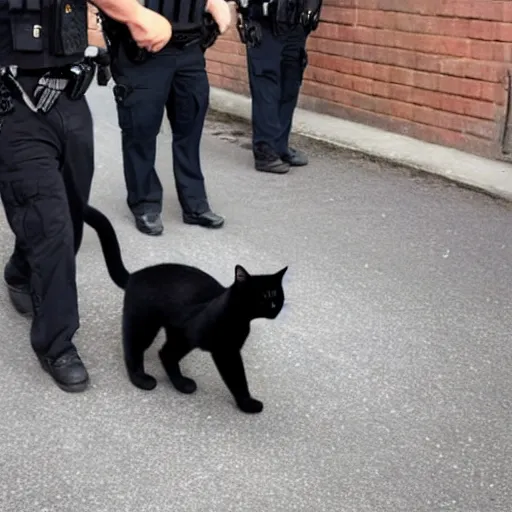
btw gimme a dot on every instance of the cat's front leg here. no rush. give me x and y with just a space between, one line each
231 368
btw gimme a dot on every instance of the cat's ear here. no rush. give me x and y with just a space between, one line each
241 275
282 272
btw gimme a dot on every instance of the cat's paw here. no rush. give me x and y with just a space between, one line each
184 385
250 405
143 381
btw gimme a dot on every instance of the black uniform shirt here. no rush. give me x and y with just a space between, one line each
5 34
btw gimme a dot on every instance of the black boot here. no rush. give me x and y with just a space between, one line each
295 158
67 370
17 280
149 224
267 160
206 219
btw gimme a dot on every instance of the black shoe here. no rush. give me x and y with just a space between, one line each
207 219
267 160
67 371
149 224
18 289
295 158
275 166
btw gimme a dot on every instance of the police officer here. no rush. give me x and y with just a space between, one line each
174 80
47 160
275 34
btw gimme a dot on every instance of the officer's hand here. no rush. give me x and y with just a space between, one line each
221 13
150 30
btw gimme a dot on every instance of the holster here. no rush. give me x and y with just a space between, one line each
100 56
249 29
210 32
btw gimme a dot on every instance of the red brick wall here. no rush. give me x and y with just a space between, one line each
431 69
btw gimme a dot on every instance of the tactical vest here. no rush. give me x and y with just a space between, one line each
184 15
47 33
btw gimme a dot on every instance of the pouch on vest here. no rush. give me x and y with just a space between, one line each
25 18
310 14
68 35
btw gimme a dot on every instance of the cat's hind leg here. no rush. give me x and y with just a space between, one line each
138 334
173 351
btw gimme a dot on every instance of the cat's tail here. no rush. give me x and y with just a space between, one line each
109 244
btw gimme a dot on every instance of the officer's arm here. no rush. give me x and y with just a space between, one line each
149 29
221 13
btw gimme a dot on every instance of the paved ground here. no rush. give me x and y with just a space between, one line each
386 146
387 382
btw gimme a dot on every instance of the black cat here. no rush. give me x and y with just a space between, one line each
195 310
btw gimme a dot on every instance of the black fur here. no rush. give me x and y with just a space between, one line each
195 310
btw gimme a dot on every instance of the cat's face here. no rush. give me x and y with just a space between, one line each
264 294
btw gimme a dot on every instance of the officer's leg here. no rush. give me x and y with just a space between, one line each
293 65
186 109
140 93
78 168
17 278
34 199
264 70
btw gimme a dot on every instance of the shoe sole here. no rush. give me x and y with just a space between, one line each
150 232
73 388
203 223
295 164
282 168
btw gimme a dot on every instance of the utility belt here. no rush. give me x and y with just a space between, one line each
72 80
252 16
185 39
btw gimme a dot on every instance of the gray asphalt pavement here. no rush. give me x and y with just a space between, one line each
387 380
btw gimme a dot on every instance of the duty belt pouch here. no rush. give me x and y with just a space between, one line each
25 17
68 34
310 14
81 76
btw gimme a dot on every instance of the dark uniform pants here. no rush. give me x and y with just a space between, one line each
276 70
173 80
38 158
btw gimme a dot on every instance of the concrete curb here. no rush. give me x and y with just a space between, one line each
484 174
